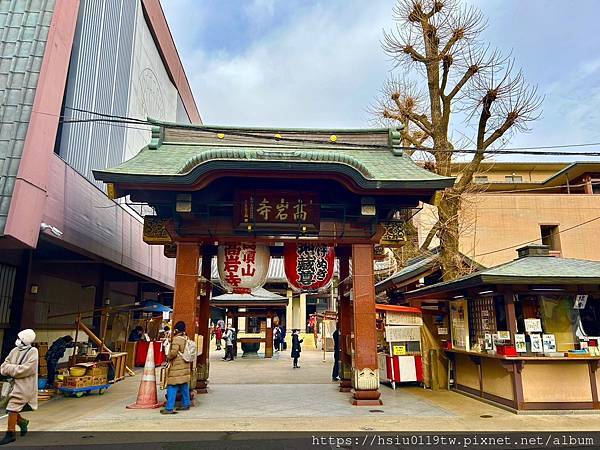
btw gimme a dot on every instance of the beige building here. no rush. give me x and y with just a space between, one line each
557 204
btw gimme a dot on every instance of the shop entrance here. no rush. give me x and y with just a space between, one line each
325 194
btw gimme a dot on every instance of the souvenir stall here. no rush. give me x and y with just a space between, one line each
326 323
399 344
153 313
525 334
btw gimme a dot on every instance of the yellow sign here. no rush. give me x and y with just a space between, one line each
399 350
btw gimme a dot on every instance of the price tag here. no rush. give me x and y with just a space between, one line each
399 350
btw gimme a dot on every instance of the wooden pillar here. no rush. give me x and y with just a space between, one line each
365 374
345 322
205 290
289 316
186 286
511 322
588 187
302 313
236 326
269 336
98 302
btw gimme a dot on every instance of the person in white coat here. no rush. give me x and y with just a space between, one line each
21 366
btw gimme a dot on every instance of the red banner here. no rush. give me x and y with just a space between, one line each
308 267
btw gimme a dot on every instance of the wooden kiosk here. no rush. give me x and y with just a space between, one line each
214 185
399 344
525 334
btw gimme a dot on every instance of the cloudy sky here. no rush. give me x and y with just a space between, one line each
302 63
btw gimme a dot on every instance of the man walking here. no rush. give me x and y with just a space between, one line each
228 336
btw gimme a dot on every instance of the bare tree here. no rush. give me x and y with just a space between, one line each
448 71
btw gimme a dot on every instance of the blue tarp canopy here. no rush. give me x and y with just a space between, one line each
150 306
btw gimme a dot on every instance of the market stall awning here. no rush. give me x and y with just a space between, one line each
417 268
258 298
533 267
150 306
397 308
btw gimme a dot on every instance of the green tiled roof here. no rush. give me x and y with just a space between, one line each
415 267
182 154
538 270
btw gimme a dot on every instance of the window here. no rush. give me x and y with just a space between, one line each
480 179
551 237
513 178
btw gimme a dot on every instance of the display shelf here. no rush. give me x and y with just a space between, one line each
525 358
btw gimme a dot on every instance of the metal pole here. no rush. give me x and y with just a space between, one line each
75 342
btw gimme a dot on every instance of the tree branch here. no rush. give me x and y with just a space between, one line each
472 70
430 236
510 120
418 119
415 55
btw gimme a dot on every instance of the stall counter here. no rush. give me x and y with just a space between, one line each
528 382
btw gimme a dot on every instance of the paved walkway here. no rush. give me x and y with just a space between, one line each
263 395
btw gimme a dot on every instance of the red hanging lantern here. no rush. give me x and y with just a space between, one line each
308 267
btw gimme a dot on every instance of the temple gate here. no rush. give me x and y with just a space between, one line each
208 186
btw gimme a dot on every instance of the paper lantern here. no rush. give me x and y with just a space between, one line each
243 266
308 267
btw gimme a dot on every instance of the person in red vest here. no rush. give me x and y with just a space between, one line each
218 332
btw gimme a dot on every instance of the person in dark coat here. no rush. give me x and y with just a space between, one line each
55 353
283 343
277 338
136 334
296 349
335 376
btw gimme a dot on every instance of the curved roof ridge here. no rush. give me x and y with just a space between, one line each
281 155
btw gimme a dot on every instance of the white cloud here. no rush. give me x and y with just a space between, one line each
322 69
322 65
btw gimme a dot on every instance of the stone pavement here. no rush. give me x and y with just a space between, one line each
268 395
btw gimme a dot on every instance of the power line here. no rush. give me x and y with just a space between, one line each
508 151
535 240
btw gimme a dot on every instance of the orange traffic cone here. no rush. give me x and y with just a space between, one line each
147 398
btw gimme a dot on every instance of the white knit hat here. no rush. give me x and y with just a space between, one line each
27 336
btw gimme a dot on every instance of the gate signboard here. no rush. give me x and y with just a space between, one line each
277 209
